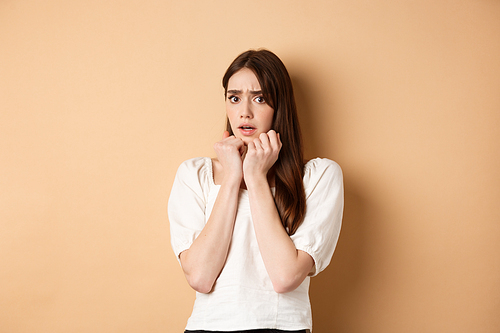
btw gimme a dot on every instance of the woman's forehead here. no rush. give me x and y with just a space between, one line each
244 80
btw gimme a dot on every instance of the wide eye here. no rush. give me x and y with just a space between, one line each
260 99
234 99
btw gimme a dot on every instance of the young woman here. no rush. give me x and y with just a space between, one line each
251 226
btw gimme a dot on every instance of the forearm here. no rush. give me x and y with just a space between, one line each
287 267
204 260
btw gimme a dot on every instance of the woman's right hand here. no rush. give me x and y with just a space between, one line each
230 151
205 258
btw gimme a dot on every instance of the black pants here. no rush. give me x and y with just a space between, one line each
249 331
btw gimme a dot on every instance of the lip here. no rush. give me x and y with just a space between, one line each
247 131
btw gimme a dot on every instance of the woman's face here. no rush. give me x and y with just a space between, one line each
246 109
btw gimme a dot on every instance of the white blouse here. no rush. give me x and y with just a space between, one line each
243 297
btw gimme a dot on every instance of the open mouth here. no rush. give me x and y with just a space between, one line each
247 129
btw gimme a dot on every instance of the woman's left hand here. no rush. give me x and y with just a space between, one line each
261 155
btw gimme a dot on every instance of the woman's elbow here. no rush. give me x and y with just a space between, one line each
200 284
286 284
197 279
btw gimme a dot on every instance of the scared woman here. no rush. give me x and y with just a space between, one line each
251 226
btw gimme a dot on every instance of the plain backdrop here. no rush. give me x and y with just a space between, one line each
100 101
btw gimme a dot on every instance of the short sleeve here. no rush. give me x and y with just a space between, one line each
319 232
187 202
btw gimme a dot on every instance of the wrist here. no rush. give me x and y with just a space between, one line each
232 180
255 179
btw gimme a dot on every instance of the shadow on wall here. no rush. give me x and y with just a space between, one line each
335 292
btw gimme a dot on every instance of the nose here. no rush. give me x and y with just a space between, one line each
246 110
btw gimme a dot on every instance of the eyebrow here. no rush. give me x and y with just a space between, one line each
253 92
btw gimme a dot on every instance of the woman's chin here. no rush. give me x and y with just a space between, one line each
247 139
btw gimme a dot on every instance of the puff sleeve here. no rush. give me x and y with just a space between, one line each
187 203
319 232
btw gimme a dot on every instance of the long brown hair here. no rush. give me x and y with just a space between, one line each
277 90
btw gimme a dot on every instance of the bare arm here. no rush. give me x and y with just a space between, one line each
287 267
204 260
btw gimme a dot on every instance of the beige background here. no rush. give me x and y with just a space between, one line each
102 100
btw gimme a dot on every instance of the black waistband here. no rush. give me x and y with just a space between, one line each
249 331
